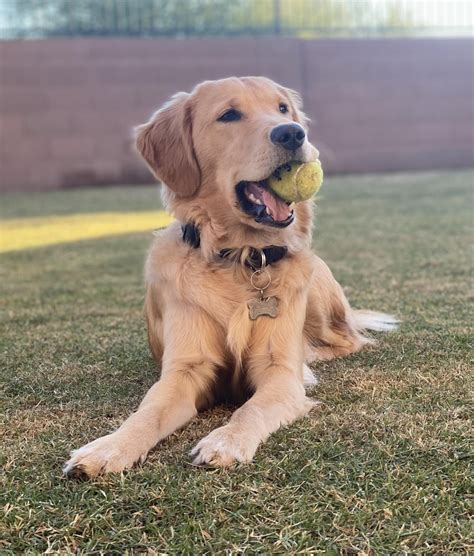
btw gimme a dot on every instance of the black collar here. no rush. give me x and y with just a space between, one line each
272 253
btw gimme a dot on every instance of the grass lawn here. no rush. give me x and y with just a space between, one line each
381 468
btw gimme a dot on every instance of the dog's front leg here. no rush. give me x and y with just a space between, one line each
169 404
275 369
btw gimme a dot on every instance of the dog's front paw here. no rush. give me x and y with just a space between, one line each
108 454
223 447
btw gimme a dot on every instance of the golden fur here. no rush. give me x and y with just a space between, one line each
196 303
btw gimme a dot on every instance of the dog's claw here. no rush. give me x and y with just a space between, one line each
76 472
223 448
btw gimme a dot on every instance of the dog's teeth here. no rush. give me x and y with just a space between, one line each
291 206
253 198
267 211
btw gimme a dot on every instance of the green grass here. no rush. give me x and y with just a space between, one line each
381 468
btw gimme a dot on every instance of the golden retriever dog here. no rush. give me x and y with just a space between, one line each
236 303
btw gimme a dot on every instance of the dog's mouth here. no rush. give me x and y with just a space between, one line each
257 200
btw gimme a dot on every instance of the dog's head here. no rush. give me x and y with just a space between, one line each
222 141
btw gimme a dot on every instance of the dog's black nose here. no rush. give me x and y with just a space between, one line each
289 136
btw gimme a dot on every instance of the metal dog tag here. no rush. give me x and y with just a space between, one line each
265 307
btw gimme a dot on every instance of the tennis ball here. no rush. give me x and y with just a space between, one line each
297 181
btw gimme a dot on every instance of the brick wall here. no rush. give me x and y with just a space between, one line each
67 106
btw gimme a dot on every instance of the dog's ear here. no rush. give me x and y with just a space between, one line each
166 144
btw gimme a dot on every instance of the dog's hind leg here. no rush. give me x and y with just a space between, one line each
329 329
332 328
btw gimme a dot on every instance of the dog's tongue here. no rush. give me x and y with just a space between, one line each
279 210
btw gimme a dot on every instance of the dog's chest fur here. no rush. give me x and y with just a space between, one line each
221 288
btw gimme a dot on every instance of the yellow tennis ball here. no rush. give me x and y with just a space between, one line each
297 181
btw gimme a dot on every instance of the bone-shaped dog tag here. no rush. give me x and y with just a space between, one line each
265 307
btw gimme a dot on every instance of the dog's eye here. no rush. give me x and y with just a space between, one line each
283 108
231 115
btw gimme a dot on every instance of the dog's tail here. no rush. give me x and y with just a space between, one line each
371 320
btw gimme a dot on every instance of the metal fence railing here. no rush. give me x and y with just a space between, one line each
183 18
